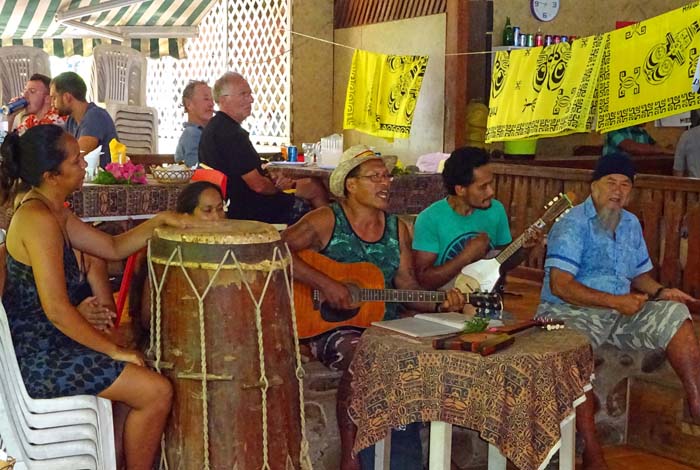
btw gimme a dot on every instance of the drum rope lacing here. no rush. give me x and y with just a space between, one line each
304 457
155 347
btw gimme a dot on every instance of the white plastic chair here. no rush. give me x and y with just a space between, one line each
17 64
89 416
119 75
137 127
39 445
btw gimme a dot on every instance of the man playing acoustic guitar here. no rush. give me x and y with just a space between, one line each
358 229
460 229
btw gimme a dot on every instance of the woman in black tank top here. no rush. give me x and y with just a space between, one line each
58 351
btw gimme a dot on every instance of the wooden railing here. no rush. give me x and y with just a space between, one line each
653 165
668 208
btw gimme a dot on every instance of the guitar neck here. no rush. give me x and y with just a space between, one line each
510 250
555 208
399 295
516 244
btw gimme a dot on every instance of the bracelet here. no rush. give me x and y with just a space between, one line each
657 293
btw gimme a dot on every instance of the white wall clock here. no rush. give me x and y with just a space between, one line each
544 10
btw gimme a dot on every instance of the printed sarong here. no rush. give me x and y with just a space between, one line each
648 68
544 91
382 93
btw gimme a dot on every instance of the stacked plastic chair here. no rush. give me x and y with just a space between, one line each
17 64
67 433
119 75
137 127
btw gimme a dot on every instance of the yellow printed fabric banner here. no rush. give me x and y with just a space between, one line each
648 69
544 91
382 93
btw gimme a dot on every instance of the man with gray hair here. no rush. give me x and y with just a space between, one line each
199 105
597 280
226 146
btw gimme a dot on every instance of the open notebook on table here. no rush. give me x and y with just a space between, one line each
430 324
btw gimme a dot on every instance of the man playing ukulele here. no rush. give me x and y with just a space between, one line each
358 229
463 227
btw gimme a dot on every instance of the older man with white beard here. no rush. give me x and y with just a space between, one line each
597 280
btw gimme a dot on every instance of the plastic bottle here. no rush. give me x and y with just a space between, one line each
508 33
539 39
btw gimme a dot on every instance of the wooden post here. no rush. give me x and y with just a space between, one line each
456 40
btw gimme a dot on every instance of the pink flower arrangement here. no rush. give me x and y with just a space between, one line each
127 173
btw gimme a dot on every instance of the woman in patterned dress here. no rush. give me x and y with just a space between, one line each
58 351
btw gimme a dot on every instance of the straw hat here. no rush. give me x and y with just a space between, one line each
351 159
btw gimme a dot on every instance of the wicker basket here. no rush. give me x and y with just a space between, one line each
163 175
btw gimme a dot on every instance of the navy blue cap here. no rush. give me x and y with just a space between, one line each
617 163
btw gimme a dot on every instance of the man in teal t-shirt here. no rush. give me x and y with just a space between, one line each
460 229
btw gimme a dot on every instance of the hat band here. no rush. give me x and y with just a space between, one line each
366 153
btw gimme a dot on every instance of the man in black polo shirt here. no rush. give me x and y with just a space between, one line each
226 146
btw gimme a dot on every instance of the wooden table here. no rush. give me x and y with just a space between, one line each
521 399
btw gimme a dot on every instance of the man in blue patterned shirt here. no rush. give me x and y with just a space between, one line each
597 280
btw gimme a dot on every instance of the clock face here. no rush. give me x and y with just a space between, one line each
545 10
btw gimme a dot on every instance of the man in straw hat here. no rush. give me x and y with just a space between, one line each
597 280
357 228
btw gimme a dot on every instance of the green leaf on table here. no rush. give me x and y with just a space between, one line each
475 325
104 177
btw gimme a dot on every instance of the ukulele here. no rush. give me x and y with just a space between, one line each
483 275
366 284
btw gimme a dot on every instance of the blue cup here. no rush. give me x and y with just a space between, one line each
292 153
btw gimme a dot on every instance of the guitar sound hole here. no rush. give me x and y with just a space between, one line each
333 315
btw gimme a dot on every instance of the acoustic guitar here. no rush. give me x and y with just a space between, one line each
483 275
366 284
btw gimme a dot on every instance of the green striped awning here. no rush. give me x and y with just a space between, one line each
33 23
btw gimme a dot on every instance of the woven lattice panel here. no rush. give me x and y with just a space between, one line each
243 36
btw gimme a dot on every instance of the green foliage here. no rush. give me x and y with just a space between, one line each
104 177
475 325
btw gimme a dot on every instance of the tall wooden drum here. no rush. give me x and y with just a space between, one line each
224 332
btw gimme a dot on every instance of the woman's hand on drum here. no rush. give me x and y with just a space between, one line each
174 219
129 355
98 315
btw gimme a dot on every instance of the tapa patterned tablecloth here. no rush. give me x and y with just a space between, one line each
122 200
515 398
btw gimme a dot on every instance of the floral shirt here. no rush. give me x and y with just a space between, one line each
51 117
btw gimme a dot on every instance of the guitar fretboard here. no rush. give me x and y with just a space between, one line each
398 295
558 205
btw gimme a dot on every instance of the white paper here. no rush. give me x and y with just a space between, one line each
417 327
431 324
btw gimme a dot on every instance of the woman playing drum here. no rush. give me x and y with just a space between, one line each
58 351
